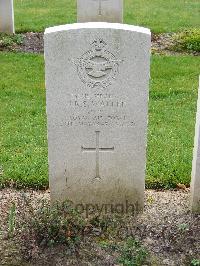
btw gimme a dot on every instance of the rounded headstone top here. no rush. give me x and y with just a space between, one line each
97 25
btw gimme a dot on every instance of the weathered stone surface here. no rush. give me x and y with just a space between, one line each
100 10
97 78
7 16
195 183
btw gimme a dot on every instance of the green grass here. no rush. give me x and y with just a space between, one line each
158 15
130 252
7 40
172 107
188 40
23 128
163 16
36 15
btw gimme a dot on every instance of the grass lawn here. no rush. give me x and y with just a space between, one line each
172 111
23 151
158 15
24 148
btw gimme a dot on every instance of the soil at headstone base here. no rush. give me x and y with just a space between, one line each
33 43
166 228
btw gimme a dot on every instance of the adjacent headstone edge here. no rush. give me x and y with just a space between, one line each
195 180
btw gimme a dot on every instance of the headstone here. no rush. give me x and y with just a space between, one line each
7 16
97 78
100 10
195 183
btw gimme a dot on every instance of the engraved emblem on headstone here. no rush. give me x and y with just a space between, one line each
97 150
98 67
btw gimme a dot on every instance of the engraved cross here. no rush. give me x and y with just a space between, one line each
100 6
97 150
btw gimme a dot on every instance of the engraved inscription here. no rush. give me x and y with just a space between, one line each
97 149
99 100
100 5
97 67
99 120
98 109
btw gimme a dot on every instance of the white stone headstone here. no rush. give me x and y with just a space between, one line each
195 183
7 16
97 77
100 10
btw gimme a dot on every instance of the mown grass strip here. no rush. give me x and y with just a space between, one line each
158 15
